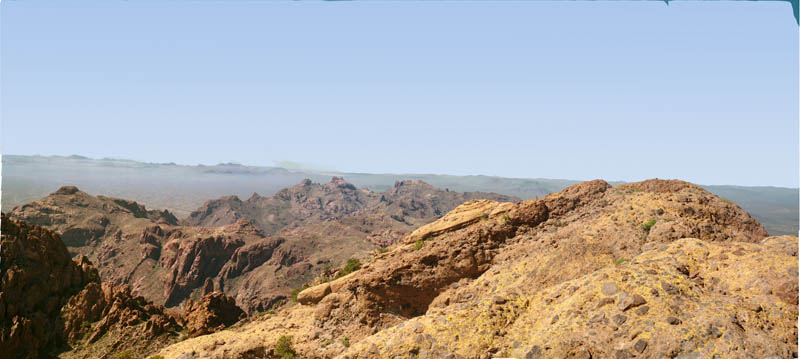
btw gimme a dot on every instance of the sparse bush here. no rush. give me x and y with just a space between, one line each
620 261
284 349
124 355
419 244
327 342
647 225
277 305
484 217
346 342
352 265
726 200
156 357
383 250
506 218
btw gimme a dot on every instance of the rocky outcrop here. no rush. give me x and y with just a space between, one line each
528 280
38 278
105 308
194 260
214 312
690 299
50 303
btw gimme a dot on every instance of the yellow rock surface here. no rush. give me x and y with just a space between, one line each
565 276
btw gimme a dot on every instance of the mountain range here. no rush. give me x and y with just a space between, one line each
256 250
182 189
652 269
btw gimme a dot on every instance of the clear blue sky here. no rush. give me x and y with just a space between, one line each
702 91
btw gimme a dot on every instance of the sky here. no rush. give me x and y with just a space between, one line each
701 91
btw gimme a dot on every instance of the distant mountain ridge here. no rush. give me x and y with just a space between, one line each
182 189
405 206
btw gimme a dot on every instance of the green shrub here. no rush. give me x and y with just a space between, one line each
506 218
346 342
124 355
484 217
647 225
156 357
283 348
383 250
620 261
352 265
418 244
327 342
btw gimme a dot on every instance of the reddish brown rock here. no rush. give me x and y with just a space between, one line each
37 277
215 311
49 302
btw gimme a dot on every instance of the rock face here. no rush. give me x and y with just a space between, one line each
213 312
652 269
38 278
49 303
314 225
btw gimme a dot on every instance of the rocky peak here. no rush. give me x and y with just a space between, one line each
231 198
410 186
67 190
339 182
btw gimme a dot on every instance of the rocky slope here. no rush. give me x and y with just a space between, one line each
50 304
313 226
651 269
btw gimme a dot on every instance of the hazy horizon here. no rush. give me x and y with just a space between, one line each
322 169
622 91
